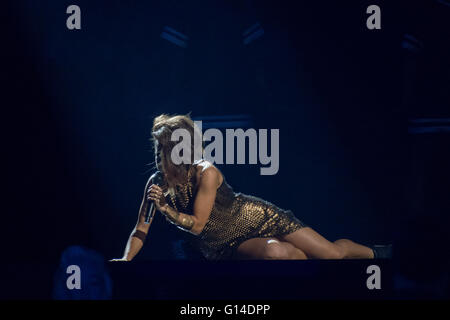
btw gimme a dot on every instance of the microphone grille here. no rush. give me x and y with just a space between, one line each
158 178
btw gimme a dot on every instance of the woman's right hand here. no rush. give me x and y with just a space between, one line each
155 194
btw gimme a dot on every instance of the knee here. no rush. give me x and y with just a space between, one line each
276 251
339 250
335 252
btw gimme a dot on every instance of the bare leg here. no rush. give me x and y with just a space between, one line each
354 250
316 246
269 248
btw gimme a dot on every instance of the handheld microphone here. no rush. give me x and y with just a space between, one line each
157 179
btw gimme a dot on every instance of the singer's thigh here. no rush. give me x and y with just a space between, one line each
268 248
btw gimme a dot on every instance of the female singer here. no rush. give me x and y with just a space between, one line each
228 225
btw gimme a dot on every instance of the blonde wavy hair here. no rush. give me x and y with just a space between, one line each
163 127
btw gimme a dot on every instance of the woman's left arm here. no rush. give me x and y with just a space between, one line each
203 204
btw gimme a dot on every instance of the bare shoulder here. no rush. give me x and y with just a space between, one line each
208 174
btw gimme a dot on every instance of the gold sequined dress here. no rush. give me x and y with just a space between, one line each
235 218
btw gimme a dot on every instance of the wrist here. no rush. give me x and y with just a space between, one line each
164 208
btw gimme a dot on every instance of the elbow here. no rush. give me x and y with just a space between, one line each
198 227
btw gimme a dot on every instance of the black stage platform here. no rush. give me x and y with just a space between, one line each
312 279
228 280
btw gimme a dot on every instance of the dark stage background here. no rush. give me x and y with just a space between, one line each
77 108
